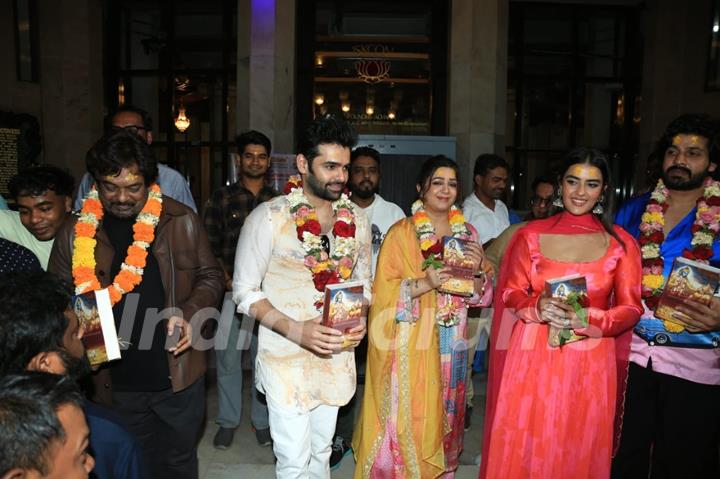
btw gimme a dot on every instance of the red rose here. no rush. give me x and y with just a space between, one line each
334 278
702 252
652 262
312 226
713 201
344 230
653 202
435 248
696 228
652 302
288 188
322 278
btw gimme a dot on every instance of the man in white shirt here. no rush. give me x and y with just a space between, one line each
488 214
483 209
364 183
43 195
305 369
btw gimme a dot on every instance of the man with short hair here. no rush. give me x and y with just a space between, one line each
138 121
43 195
484 209
543 189
142 242
489 215
224 218
673 385
290 248
43 432
39 331
364 184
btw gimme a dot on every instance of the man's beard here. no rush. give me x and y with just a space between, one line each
321 190
76 368
363 193
693 181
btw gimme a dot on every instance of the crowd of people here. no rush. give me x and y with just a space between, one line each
584 384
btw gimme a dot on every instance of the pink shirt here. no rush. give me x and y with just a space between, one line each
696 365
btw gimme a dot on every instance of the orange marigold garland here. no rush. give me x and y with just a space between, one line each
131 270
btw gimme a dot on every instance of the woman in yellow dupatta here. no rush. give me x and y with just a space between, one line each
411 423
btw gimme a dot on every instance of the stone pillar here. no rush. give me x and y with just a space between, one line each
67 99
70 44
266 73
478 79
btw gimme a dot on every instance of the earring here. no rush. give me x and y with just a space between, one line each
557 202
598 208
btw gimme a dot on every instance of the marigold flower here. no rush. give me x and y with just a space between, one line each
153 207
673 327
94 207
653 281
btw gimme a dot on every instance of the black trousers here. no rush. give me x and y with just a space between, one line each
168 426
671 428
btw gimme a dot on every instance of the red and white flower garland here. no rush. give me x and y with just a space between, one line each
705 230
326 269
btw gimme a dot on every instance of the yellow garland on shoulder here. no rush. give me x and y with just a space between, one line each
131 270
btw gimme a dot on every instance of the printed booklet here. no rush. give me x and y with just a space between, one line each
94 312
571 290
343 307
454 257
688 280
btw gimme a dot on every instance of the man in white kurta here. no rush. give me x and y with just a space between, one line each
307 371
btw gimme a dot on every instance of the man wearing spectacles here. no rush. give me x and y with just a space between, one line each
139 122
541 201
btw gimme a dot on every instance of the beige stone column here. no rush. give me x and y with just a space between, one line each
70 56
478 79
266 72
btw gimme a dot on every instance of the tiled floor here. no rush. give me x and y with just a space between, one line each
246 459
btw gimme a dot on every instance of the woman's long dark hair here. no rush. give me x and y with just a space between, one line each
596 158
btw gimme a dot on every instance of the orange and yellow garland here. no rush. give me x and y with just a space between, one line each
131 270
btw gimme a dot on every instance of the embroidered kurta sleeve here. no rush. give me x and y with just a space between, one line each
252 257
516 291
627 307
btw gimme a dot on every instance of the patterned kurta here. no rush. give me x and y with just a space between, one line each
269 265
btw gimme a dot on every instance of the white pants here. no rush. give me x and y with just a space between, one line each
302 441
